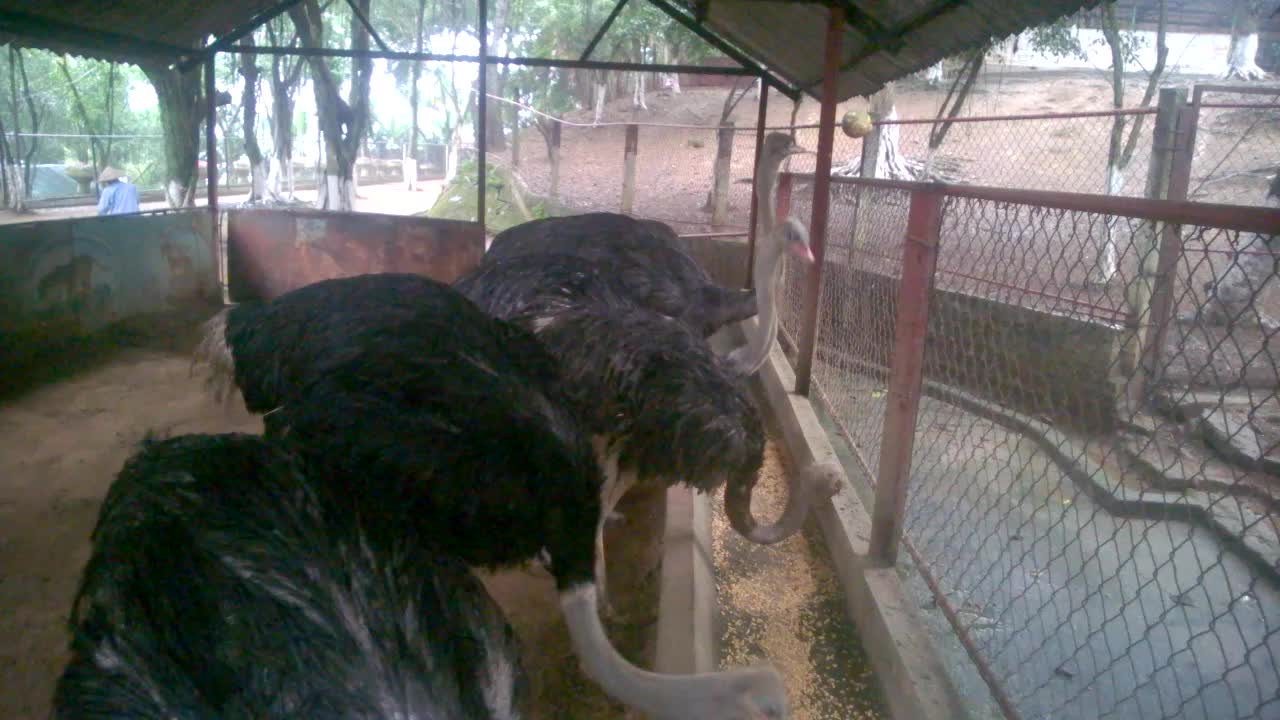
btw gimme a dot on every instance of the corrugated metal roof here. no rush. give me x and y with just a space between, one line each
123 30
883 40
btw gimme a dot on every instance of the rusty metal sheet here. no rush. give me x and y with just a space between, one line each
75 276
271 252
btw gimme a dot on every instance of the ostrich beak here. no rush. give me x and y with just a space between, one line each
802 251
798 150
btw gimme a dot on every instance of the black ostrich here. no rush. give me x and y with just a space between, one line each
451 427
648 265
660 405
223 584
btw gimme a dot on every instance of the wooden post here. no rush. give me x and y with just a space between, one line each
821 202
724 160
919 259
555 161
1139 353
1163 303
762 117
630 147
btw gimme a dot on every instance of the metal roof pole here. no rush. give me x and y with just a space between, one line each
821 202
761 118
210 134
608 23
481 111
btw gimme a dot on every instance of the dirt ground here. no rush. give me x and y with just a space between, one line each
68 423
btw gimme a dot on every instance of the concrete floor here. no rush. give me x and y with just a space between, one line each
1080 614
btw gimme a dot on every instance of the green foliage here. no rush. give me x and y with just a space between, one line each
1058 39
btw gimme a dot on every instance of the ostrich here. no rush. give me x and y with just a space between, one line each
225 583
653 271
447 426
661 406
769 261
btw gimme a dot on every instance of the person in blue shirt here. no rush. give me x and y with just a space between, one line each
118 196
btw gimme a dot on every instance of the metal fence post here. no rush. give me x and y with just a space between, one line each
808 340
762 118
919 259
1139 353
630 147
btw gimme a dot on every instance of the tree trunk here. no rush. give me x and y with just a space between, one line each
1243 53
1119 151
249 101
889 161
601 85
637 94
342 122
415 75
934 75
724 160
180 99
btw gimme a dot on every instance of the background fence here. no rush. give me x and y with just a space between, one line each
1094 484
1237 149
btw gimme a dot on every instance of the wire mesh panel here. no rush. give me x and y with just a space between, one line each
1237 145
1094 488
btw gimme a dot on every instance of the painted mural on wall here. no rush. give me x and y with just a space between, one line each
76 276
273 251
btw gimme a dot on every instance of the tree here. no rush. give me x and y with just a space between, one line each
285 76
343 123
249 102
1120 151
180 103
20 160
1242 55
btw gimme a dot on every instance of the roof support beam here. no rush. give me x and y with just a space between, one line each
608 23
718 43
226 41
48 30
367 26
496 60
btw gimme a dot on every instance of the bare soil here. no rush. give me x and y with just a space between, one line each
68 421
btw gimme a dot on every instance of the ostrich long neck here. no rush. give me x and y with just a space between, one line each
767 269
714 696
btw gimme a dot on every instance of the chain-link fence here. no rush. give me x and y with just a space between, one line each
1237 143
1095 483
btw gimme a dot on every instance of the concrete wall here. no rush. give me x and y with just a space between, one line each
725 259
62 278
270 252
1037 362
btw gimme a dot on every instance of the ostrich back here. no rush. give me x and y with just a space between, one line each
223 583
650 262
434 418
674 408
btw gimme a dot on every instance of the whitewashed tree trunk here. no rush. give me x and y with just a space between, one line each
672 82
637 93
17 188
601 92
889 161
759 87
258 182
175 194
1241 59
336 193
934 75
1106 264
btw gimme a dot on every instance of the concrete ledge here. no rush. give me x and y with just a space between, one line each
903 655
687 595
